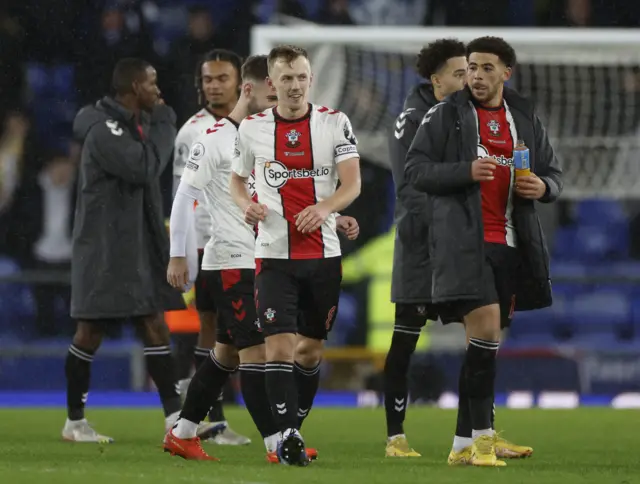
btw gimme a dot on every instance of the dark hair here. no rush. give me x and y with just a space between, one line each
255 68
494 45
218 55
287 53
435 55
126 72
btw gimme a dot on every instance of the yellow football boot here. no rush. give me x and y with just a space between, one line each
460 458
399 447
483 452
509 450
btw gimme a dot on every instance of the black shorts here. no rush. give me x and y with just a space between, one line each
287 289
498 286
205 297
414 315
233 295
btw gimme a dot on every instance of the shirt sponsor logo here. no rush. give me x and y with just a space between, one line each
502 160
276 174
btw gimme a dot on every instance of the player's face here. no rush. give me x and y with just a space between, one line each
147 90
219 83
486 75
452 76
291 82
262 97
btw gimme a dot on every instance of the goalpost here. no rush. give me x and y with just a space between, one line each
585 84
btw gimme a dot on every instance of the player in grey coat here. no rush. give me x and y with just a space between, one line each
444 64
462 157
120 245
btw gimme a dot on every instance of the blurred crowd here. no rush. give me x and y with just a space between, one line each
57 56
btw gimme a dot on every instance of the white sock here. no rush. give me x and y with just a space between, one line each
271 442
478 433
460 443
396 436
75 422
185 429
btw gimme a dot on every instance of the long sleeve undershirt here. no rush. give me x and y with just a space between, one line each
182 227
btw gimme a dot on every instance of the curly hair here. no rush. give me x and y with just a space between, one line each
494 45
434 56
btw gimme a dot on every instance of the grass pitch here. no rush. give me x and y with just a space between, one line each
571 446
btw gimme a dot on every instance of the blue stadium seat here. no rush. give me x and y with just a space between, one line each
63 81
602 312
601 242
635 315
600 212
548 325
38 79
17 306
620 276
564 244
562 268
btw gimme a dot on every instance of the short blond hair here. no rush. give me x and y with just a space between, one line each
286 53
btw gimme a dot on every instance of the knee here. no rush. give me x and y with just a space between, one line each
483 323
88 336
154 331
253 354
281 347
227 355
308 351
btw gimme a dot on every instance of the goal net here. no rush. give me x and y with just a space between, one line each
585 84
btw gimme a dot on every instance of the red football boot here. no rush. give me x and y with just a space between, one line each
189 449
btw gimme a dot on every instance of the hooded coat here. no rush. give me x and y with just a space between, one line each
439 165
409 283
120 244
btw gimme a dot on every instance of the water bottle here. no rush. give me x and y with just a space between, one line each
521 159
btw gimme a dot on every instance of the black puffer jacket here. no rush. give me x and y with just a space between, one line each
439 164
411 251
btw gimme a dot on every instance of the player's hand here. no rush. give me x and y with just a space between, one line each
312 218
348 226
178 272
255 212
530 187
483 169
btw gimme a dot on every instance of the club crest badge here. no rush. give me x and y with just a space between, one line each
293 139
494 127
270 315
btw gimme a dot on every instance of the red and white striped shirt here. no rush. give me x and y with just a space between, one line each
295 167
496 141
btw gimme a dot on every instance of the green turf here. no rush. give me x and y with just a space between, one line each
576 446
